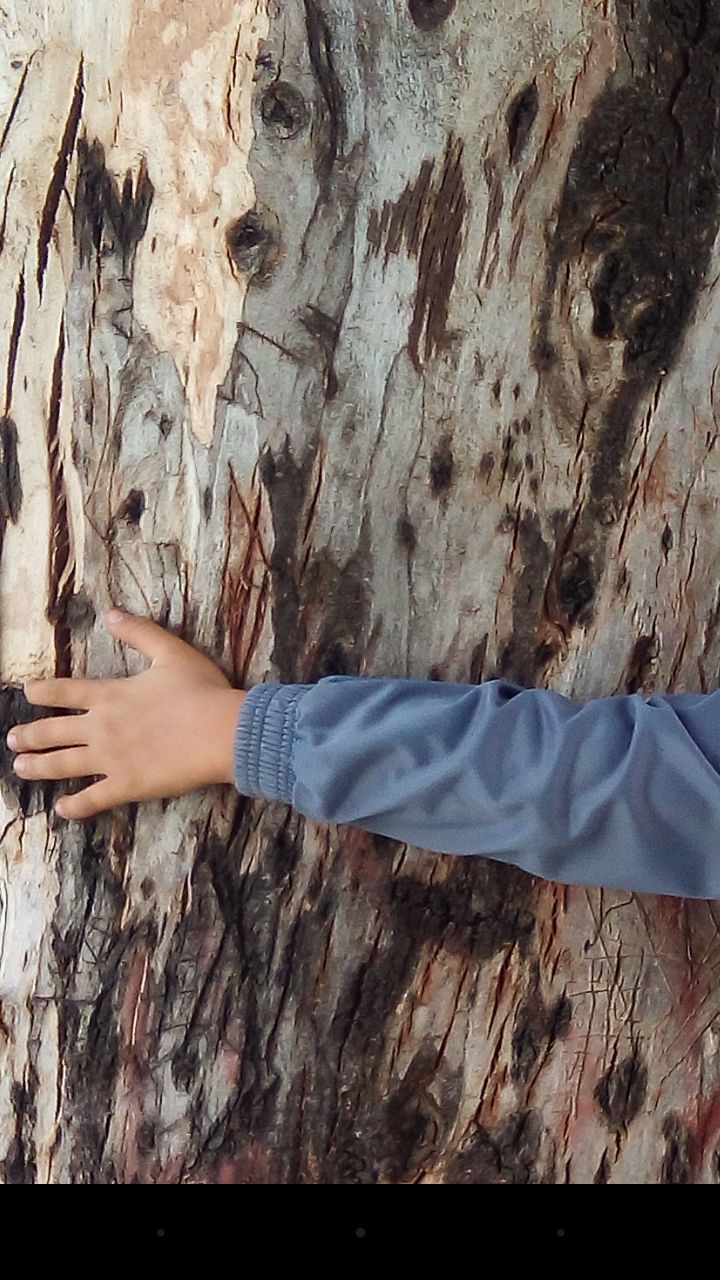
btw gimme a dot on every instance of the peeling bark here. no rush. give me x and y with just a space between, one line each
369 339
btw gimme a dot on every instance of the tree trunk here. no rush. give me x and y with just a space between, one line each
368 339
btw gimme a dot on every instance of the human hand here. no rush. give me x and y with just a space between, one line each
158 734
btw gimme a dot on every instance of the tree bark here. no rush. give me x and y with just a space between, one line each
365 339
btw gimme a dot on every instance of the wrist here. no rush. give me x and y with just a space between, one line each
225 718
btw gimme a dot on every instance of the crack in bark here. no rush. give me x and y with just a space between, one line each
59 175
60 564
17 323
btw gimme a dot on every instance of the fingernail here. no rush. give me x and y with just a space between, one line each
12 740
116 615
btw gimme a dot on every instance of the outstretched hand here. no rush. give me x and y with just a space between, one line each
162 733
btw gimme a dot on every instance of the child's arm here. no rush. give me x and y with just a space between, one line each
621 791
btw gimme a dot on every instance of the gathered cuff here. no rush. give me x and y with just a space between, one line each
264 740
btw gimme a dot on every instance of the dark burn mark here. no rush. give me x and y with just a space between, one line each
19 1168
286 483
88 1030
343 591
430 14
59 176
282 855
132 508
414 1122
99 209
641 190
608 487
642 663
354 1163
442 465
621 1092
519 118
430 223
477 910
147 1136
574 593
326 331
509 1154
519 655
537 1027
330 127
638 216
405 533
253 244
11 494
335 598
477 660
575 588
679 1151
284 110
612 284
544 355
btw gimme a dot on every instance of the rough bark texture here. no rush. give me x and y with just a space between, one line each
461 426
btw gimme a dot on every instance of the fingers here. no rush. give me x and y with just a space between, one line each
75 694
40 735
73 763
93 800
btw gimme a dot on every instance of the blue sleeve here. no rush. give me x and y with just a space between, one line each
622 792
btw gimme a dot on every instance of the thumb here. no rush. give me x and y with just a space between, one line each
144 635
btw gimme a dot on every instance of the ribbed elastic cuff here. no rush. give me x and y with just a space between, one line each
262 753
